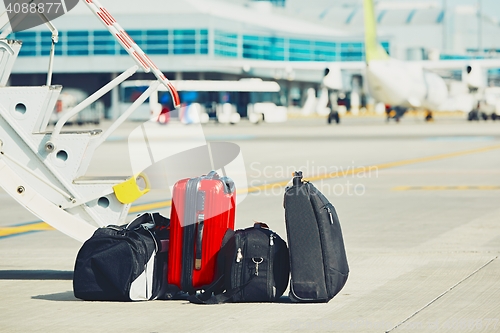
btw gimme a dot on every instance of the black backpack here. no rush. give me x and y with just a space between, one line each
318 261
124 263
253 266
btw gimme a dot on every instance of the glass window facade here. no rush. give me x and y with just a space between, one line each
351 51
325 51
103 43
77 43
156 42
300 50
203 41
185 41
386 47
226 44
30 43
263 47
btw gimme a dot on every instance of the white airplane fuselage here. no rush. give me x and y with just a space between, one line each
405 84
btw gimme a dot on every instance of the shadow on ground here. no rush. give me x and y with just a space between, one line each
35 275
66 296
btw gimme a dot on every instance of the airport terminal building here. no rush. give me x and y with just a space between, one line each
187 39
217 40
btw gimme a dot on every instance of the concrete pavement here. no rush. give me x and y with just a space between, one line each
421 230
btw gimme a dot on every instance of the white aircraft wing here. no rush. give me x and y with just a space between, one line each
459 64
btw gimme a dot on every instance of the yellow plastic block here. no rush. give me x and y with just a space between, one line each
129 191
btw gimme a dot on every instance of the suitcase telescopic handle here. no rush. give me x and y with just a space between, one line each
297 178
228 182
229 185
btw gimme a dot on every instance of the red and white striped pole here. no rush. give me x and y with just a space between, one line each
130 46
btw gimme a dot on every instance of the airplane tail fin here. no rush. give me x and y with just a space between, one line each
373 50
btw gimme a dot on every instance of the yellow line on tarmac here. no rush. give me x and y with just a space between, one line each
163 204
447 188
150 206
9 231
39 226
354 171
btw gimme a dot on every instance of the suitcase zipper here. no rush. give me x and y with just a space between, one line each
239 256
301 298
330 210
146 273
239 271
270 274
329 214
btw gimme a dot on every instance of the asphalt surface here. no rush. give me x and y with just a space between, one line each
419 205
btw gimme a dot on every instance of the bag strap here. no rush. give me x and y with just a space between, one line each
160 220
150 219
140 220
220 298
218 284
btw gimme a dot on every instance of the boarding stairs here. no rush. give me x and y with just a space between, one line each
43 170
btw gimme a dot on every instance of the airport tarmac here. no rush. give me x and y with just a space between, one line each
419 205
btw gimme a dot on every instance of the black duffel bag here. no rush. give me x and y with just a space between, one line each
252 265
123 263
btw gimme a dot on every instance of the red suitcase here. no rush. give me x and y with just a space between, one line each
203 209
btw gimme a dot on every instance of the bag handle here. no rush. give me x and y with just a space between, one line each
212 175
150 220
160 220
297 178
143 219
260 225
228 182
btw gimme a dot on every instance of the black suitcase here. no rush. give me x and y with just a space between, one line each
252 266
318 261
